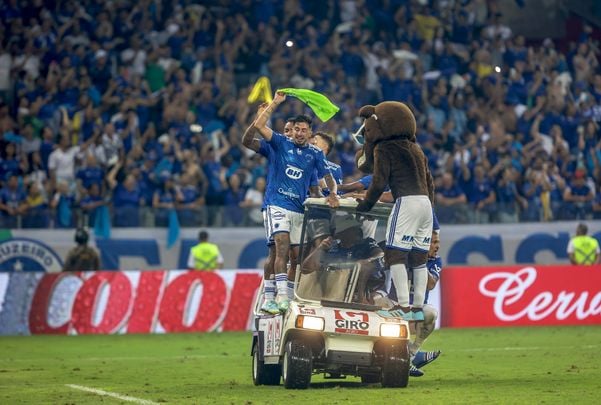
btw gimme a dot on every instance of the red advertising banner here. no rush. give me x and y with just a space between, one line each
127 302
521 295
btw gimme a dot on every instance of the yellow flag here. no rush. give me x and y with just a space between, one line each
261 91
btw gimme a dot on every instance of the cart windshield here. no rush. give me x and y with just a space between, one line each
340 258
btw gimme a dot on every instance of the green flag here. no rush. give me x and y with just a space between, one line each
320 104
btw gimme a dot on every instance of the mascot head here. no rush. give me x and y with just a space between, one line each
385 121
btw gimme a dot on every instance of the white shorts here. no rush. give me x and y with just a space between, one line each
410 224
270 241
282 220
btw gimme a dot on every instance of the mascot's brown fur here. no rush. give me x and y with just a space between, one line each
391 153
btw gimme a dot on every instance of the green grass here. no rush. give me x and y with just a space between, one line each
512 365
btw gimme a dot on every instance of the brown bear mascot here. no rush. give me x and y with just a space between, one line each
391 153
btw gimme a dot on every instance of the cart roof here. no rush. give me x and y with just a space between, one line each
379 210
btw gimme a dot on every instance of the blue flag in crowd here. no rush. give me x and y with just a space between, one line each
173 231
64 212
102 222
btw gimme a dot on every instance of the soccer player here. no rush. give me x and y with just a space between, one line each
261 147
290 171
325 142
420 331
424 329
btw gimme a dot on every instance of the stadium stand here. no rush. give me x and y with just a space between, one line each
140 106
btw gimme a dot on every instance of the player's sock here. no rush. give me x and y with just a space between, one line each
281 282
269 290
424 329
420 283
290 289
401 284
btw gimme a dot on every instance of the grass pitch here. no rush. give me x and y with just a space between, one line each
509 365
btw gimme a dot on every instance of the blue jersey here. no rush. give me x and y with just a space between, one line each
435 223
366 182
266 151
290 172
336 172
434 265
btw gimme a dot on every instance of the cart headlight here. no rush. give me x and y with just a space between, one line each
393 330
309 322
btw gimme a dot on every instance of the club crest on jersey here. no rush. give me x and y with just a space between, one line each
294 172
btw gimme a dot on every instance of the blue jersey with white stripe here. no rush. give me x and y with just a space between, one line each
291 171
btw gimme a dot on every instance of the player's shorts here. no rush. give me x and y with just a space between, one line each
410 224
282 220
270 241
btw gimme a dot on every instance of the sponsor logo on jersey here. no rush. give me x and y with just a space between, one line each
288 193
22 254
294 172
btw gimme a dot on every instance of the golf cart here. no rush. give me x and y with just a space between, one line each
328 329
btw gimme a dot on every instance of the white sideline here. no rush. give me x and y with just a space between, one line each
111 394
129 358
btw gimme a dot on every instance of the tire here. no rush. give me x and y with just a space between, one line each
297 365
395 370
264 374
371 378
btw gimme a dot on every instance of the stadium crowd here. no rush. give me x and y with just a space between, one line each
141 105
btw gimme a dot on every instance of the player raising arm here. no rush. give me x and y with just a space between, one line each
290 170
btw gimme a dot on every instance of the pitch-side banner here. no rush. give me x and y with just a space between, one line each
108 302
127 302
521 295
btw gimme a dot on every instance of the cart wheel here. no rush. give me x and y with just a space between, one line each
297 365
395 370
264 374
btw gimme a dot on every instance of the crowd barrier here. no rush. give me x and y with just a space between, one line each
164 301
244 248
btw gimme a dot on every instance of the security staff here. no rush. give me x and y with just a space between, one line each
205 255
583 249
82 257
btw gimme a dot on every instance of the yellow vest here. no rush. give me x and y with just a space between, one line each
205 256
584 249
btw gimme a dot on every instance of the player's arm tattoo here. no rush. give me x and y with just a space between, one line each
249 140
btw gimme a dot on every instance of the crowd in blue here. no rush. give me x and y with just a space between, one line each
140 106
